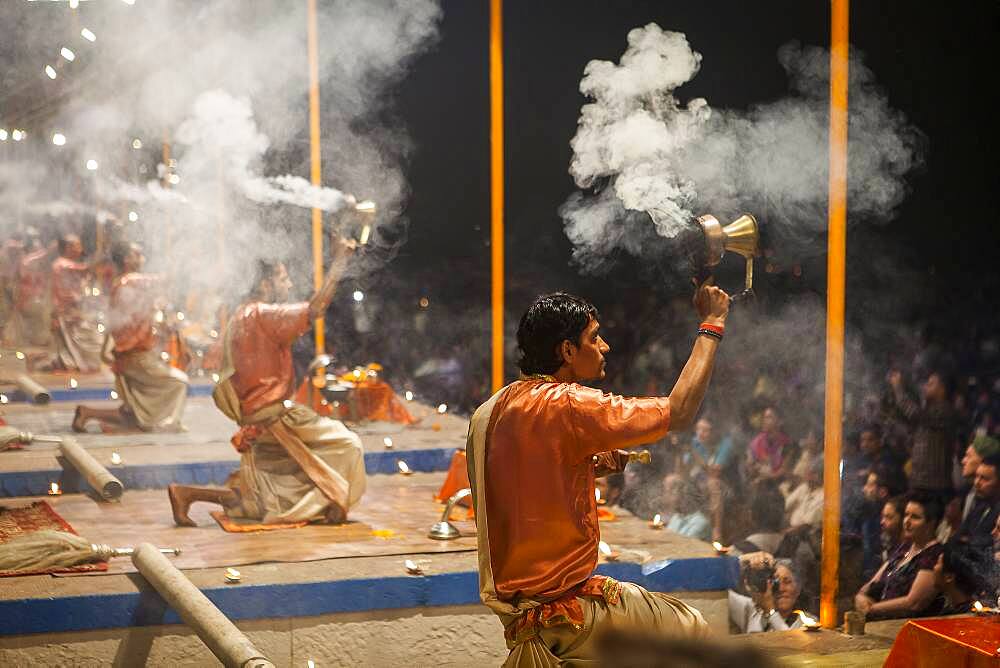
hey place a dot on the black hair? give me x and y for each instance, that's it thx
(873, 427)
(931, 503)
(263, 270)
(64, 242)
(767, 510)
(120, 251)
(992, 460)
(965, 564)
(549, 321)
(897, 502)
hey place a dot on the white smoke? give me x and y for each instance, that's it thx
(226, 90)
(646, 149)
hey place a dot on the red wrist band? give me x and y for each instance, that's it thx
(713, 328)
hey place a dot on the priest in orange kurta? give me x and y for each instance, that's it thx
(152, 392)
(296, 466)
(78, 343)
(534, 451)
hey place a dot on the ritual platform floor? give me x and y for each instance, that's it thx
(203, 454)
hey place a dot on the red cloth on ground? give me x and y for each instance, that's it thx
(969, 642)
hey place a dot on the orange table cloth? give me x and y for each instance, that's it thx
(960, 642)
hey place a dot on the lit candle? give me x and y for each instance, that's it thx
(606, 551)
(403, 468)
(808, 623)
(442, 409)
(116, 458)
(408, 395)
(657, 522)
(72, 383)
(412, 568)
(233, 576)
(54, 489)
(719, 549)
(387, 442)
(114, 395)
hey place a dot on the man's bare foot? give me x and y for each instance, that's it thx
(79, 421)
(335, 514)
(180, 503)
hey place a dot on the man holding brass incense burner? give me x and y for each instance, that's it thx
(534, 450)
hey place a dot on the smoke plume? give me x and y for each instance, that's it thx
(640, 147)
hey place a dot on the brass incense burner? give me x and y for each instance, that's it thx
(707, 241)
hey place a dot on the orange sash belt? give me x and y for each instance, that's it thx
(564, 610)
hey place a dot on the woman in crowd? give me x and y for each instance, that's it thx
(772, 606)
(904, 585)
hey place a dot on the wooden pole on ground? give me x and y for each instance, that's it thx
(315, 171)
(496, 187)
(836, 267)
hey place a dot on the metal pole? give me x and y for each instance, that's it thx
(215, 630)
(836, 266)
(496, 186)
(315, 171)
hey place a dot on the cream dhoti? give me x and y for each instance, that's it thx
(153, 393)
(78, 344)
(295, 464)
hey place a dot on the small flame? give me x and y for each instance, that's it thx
(54, 489)
(96, 292)
(806, 619)
(100, 328)
(116, 458)
(597, 494)
(19, 355)
(412, 567)
(403, 468)
(232, 575)
(310, 664)
(408, 395)
(158, 316)
(366, 232)
(977, 606)
(287, 403)
(657, 519)
(442, 409)
(215, 378)
(717, 545)
(73, 383)
(133, 216)
(165, 356)
(214, 334)
(180, 315)
(387, 442)
(604, 548)
(114, 395)
(366, 206)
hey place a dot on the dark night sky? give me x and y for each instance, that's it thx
(935, 63)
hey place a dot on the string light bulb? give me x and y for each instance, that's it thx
(67, 54)
(92, 165)
(88, 35)
(133, 216)
(59, 139)
(50, 72)
(137, 143)
(3, 134)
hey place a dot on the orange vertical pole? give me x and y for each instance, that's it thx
(496, 186)
(315, 171)
(836, 267)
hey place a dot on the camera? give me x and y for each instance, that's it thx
(759, 579)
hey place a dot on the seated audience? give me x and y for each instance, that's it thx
(804, 504)
(770, 454)
(957, 575)
(981, 447)
(767, 516)
(978, 525)
(681, 508)
(904, 585)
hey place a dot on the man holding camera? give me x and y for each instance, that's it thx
(773, 587)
